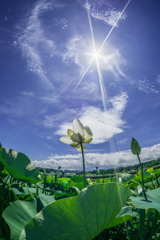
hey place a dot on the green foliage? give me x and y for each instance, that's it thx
(122, 177)
(153, 200)
(124, 215)
(50, 179)
(79, 185)
(19, 213)
(76, 178)
(150, 170)
(146, 176)
(19, 166)
(29, 210)
(81, 217)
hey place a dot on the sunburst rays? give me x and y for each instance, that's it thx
(96, 53)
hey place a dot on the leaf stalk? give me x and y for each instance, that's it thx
(142, 176)
(83, 160)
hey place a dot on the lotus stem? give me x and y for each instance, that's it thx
(9, 186)
(142, 176)
(83, 160)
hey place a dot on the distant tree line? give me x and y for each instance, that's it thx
(146, 165)
(135, 167)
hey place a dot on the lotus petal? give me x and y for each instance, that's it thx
(87, 132)
(69, 132)
(79, 147)
(75, 137)
(66, 140)
(88, 140)
(78, 127)
(75, 144)
(80, 138)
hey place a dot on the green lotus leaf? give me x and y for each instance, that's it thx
(77, 179)
(124, 215)
(146, 176)
(19, 213)
(80, 217)
(64, 179)
(46, 199)
(79, 185)
(50, 179)
(153, 200)
(19, 166)
(24, 191)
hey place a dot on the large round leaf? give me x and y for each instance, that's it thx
(19, 213)
(152, 197)
(123, 216)
(80, 217)
(19, 166)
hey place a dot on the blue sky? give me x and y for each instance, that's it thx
(98, 61)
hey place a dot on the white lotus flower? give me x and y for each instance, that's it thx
(78, 136)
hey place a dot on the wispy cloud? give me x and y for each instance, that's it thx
(78, 52)
(113, 62)
(41, 49)
(104, 161)
(103, 124)
(19, 107)
(62, 22)
(23, 106)
(122, 141)
(34, 43)
(108, 16)
(27, 93)
(146, 86)
(51, 121)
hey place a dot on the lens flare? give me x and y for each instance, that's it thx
(95, 56)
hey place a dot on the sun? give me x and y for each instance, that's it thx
(96, 55)
(93, 55)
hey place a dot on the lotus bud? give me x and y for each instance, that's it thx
(135, 147)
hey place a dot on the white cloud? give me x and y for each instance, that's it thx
(104, 124)
(110, 59)
(37, 46)
(103, 161)
(113, 62)
(34, 42)
(122, 141)
(62, 22)
(27, 93)
(50, 121)
(146, 86)
(108, 16)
